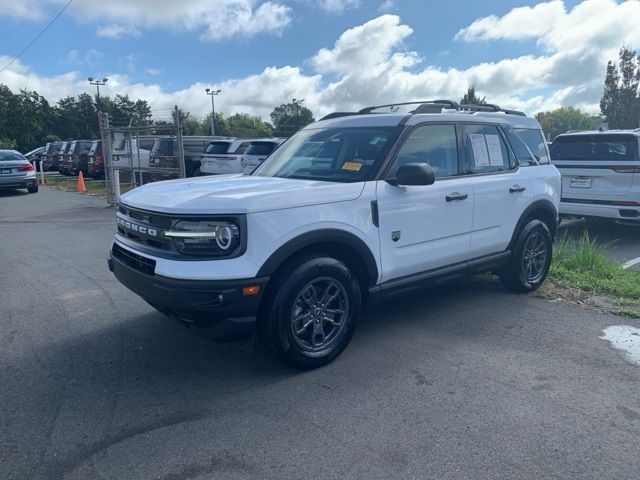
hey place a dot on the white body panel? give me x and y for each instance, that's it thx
(433, 232)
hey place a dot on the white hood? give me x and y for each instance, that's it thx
(229, 194)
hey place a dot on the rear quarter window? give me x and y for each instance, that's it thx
(535, 141)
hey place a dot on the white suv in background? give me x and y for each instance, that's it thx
(353, 209)
(221, 156)
(242, 156)
(600, 174)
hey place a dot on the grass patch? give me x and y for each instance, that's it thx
(582, 263)
(97, 187)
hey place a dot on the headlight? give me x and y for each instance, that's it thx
(206, 238)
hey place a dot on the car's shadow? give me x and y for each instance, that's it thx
(152, 372)
(603, 232)
(12, 192)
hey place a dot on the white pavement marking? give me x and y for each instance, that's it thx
(625, 339)
(631, 263)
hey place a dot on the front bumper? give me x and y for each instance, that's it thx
(205, 302)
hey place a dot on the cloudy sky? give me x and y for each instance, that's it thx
(334, 54)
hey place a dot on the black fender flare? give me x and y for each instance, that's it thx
(546, 206)
(318, 237)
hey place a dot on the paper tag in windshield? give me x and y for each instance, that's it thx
(353, 166)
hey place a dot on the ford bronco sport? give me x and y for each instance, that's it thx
(351, 210)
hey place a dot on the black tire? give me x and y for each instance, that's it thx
(293, 295)
(33, 188)
(527, 274)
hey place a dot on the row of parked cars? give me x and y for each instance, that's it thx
(203, 155)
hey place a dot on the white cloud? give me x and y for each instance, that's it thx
(22, 9)
(117, 30)
(337, 6)
(215, 19)
(351, 74)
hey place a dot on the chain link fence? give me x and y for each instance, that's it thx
(135, 156)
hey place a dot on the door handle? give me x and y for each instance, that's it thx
(517, 188)
(456, 196)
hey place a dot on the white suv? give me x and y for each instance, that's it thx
(222, 156)
(353, 209)
(600, 174)
(242, 156)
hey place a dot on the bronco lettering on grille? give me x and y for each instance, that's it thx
(135, 227)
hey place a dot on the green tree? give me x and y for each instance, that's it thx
(8, 143)
(243, 125)
(620, 102)
(290, 117)
(471, 98)
(563, 119)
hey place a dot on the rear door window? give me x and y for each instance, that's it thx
(485, 151)
(599, 147)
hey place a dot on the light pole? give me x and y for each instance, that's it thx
(213, 93)
(97, 83)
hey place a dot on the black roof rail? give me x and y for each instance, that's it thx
(490, 107)
(447, 103)
(338, 115)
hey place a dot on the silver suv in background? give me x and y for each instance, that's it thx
(600, 174)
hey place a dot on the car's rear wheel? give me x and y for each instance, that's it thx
(32, 188)
(309, 313)
(530, 258)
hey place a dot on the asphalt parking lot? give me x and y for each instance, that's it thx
(466, 381)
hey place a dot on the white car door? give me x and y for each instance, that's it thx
(502, 190)
(425, 227)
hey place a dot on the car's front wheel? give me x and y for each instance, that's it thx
(530, 258)
(310, 312)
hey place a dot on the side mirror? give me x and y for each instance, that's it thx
(414, 174)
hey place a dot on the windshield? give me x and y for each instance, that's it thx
(6, 156)
(595, 147)
(331, 154)
(218, 147)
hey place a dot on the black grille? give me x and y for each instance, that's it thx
(133, 260)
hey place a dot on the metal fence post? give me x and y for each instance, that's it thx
(179, 144)
(107, 155)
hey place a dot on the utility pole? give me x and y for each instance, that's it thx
(97, 83)
(213, 93)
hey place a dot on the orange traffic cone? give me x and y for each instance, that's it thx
(80, 185)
